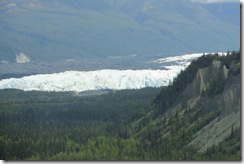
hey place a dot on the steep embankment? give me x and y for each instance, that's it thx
(228, 102)
(213, 89)
(200, 110)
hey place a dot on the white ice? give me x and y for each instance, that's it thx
(79, 81)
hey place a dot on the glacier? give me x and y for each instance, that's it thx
(91, 80)
(79, 81)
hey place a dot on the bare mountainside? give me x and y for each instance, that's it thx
(58, 30)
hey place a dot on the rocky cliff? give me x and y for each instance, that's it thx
(207, 110)
(228, 101)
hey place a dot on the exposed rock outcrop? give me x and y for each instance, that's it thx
(200, 84)
(22, 58)
(228, 101)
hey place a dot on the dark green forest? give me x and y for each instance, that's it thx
(121, 125)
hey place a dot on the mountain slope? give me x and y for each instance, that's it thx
(183, 21)
(227, 12)
(66, 30)
(59, 30)
(200, 115)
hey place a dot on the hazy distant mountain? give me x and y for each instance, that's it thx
(227, 12)
(183, 21)
(75, 29)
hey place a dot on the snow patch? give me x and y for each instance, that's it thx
(22, 58)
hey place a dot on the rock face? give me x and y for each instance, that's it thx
(22, 58)
(218, 129)
(228, 101)
(200, 110)
(204, 78)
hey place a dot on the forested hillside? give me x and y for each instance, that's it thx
(197, 117)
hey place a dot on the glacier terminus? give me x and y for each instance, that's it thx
(79, 81)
